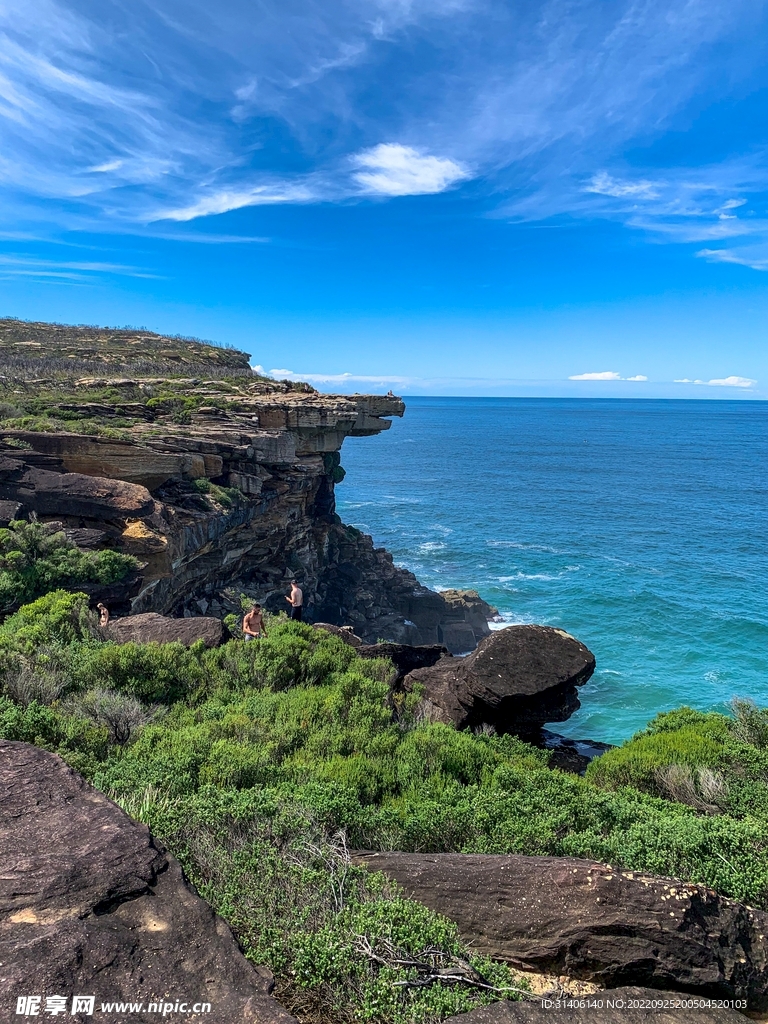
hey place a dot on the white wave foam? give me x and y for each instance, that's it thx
(546, 577)
(509, 619)
(432, 545)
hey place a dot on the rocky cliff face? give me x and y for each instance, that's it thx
(219, 486)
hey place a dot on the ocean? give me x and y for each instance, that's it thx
(641, 527)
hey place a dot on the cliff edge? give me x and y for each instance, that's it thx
(218, 480)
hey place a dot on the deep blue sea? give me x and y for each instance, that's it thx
(639, 526)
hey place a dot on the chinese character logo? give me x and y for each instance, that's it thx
(83, 1004)
(55, 1005)
(28, 1006)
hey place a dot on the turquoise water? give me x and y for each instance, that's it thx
(639, 526)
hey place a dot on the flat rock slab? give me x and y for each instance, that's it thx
(91, 904)
(560, 915)
(517, 679)
(629, 1005)
(149, 627)
(73, 494)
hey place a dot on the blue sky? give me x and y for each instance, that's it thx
(438, 196)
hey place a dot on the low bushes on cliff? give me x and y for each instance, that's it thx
(296, 903)
(35, 561)
(296, 728)
(715, 763)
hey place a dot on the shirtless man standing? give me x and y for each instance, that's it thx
(296, 600)
(254, 625)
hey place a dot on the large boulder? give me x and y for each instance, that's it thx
(149, 627)
(404, 657)
(517, 679)
(9, 510)
(628, 1005)
(91, 904)
(560, 915)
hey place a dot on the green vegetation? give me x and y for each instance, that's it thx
(259, 764)
(36, 350)
(333, 467)
(227, 497)
(34, 560)
(119, 382)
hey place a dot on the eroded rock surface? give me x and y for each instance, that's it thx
(626, 1005)
(241, 498)
(517, 679)
(150, 627)
(561, 915)
(91, 904)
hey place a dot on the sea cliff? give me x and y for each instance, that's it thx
(219, 481)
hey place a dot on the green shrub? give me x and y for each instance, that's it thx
(682, 737)
(58, 618)
(750, 723)
(35, 561)
(121, 714)
(322, 925)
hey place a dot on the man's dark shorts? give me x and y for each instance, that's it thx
(296, 613)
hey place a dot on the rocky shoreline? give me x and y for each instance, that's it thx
(224, 487)
(240, 499)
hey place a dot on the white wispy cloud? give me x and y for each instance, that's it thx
(754, 258)
(605, 185)
(390, 169)
(335, 378)
(226, 200)
(722, 382)
(28, 266)
(188, 109)
(605, 375)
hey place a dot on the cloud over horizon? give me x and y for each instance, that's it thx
(721, 382)
(606, 375)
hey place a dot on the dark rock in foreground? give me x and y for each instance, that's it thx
(560, 915)
(517, 679)
(149, 627)
(91, 904)
(628, 1006)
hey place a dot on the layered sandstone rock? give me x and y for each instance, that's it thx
(91, 904)
(517, 679)
(238, 499)
(405, 657)
(560, 915)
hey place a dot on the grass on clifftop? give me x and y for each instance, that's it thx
(259, 764)
(32, 349)
(115, 382)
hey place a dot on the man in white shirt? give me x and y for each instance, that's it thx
(296, 600)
